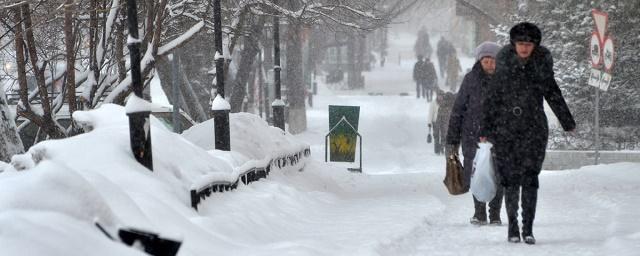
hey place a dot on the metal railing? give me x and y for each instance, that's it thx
(253, 174)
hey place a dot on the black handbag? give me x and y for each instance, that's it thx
(453, 180)
(429, 138)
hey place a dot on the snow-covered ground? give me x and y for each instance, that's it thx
(397, 206)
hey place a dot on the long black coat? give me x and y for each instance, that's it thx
(464, 124)
(513, 115)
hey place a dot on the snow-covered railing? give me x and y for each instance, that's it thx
(249, 172)
(575, 159)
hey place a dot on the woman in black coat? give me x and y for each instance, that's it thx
(515, 122)
(464, 125)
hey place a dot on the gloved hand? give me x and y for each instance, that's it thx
(451, 149)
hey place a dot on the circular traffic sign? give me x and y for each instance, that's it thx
(608, 54)
(595, 50)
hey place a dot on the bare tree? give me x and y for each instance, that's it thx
(71, 58)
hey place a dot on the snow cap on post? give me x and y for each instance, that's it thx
(218, 56)
(219, 103)
(136, 104)
(525, 32)
(487, 49)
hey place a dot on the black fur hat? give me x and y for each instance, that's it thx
(525, 32)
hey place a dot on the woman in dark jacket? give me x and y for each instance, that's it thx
(515, 122)
(464, 125)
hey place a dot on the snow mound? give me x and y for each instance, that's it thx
(63, 187)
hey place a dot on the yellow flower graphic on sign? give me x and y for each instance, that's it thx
(343, 145)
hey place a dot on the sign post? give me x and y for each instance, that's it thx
(602, 55)
(343, 135)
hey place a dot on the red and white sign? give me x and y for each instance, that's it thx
(601, 51)
(608, 54)
(601, 19)
(595, 50)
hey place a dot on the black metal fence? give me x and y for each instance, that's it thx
(253, 174)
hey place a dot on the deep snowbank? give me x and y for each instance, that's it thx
(49, 207)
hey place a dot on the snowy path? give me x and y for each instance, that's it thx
(399, 205)
(579, 219)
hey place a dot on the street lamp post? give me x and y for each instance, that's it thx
(278, 104)
(220, 106)
(139, 126)
(175, 91)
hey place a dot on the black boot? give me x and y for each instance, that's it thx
(480, 215)
(494, 207)
(529, 201)
(512, 196)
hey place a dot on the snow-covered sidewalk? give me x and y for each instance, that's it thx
(397, 206)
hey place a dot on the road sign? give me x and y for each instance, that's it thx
(599, 79)
(601, 19)
(601, 51)
(605, 80)
(596, 51)
(608, 54)
(594, 78)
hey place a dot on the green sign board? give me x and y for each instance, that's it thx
(343, 131)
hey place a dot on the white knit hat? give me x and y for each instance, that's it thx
(487, 49)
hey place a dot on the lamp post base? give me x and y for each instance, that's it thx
(140, 137)
(222, 134)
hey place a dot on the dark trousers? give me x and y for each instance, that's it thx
(424, 90)
(494, 206)
(481, 207)
(427, 92)
(529, 200)
(439, 139)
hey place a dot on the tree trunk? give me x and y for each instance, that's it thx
(251, 86)
(352, 82)
(48, 125)
(21, 64)
(267, 68)
(191, 103)
(10, 143)
(119, 50)
(69, 41)
(362, 57)
(93, 59)
(38, 67)
(296, 90)
(248, 57)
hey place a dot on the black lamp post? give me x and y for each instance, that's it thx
(139, 126)
(278, 104)
(220, 106)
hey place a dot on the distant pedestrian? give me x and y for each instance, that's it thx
(464, 125)
(424, 74)
(418, 76)
(515, 122)
(429, 79)
(453, 71)
(432, 118)
(443, 49)
(445, 101)
(423, 43)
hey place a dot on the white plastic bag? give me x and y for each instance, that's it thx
(483, 178)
